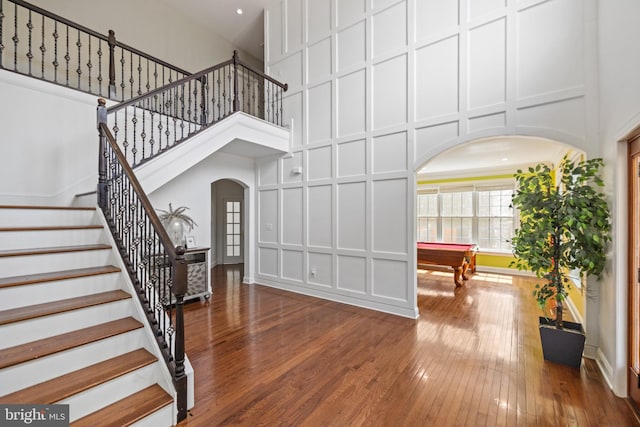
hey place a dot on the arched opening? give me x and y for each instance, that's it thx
(463, 197)
(229, 219)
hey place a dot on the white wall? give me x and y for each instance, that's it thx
(193, 189)
(377, 88)
(151, 26)
(619, 62)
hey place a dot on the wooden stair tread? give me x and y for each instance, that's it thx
(44, 207)
(54, 228)
(53, 250)
(57, 275)
(130, 409)
(61, 306)
(47, 346)
(64, 386)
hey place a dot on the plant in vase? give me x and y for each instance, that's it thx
(175, 222)
(564, 226)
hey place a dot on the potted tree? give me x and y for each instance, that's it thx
(564, 227)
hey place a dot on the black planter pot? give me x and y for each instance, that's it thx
(562, 346)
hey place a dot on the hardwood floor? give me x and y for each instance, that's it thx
(473, 358)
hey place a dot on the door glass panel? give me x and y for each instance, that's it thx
(233, 229)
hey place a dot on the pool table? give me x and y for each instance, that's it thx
(461, 257)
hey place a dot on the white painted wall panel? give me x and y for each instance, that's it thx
(292, 265)
(389, 278)
(352, 216)
(433, 17)
(565, 116)
(320, 222)
(389, 218)
(319, 163)
(268, 216)
(478, 8)
(352, 273)
(390, 153)
(351, 158)
(274, 23)
(349, 11)
(351, 103)
(294, 24)
(429, 137)
(390, 92)
(268, 172)
(318, 18)
(351, 46)
(390, 29)
(487, 50)
(290, 165)
(489, 121)
(320, 269)
(320, 115)
(552, 59)
(292, 106)
(319, 58)
(292, 216)
(436, 87)
(288, 70)
(268, 261)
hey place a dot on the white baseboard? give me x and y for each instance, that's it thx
(605, 368)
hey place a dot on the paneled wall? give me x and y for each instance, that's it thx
(377, 88)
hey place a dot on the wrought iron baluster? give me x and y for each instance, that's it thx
(15, 37)
(55, 52)
(43, 49)
(29, 53)
(155, 75)
(99, 53)
(89, 64)
(139, 75)
(143, 134)
(125, 143)
(122, 62)
(131, 80)
(148, 86)
(134, 120)
(152, 110)
(67, 58)
(1, 32)
(79, 70)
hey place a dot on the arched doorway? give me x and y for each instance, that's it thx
(228, 219)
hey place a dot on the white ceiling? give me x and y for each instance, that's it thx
(244, 31)
(492, 156)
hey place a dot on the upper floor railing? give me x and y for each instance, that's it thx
(152, 123)
(41, 44)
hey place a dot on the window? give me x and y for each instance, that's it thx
(233, 229)
(480, 214)
(495, 219)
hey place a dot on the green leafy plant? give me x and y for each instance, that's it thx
(564, 225)
(167, 216)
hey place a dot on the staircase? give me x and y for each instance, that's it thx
(71, 331)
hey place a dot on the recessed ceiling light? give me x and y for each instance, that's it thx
(239, 11)
(504, 159)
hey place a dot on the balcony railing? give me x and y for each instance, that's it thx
(41, 44)
(153, 123)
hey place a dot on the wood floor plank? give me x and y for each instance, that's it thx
(127, 411)
(54, 307)
(46, 207)
(44, 347)
(53, 228)
(57, 276)
(268, 357)
(62, 387)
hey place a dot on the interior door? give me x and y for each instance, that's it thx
(634, 272)
(233, 232)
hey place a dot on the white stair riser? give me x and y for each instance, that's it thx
(45, 263)
(163, 417)
(49, 238)
(61, 323)
(46, 217)
(110, 392)
(45, 368)
(39, 293)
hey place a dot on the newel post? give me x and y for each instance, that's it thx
(111, 40)
(236, 101)
(101, 117)
(179, 290)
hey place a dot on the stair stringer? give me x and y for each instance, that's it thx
(239, 134)
(163, 377)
